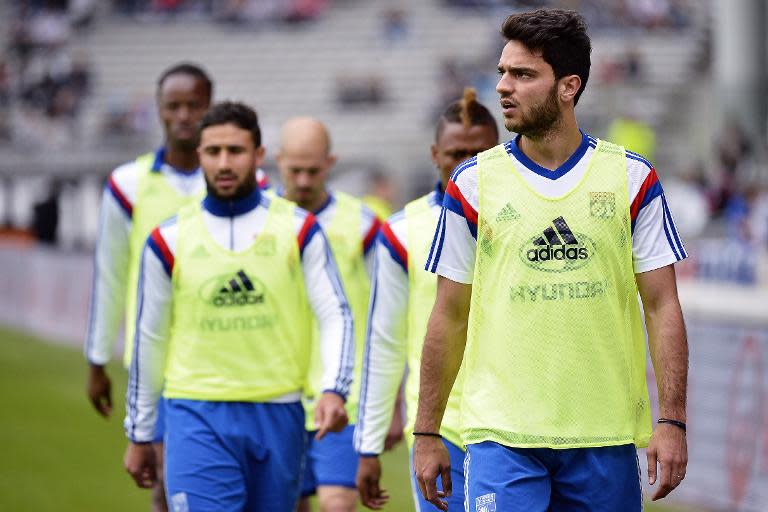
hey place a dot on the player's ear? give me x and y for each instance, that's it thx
(433, 149)
(260, 152)
(567, 87)
(331, 160)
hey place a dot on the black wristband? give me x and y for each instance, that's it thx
(428, 434)
(678, 424)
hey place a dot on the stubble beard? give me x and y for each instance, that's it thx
(243, 189)
(540, 120)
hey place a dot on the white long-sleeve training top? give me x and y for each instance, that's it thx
(111, 265)
(386, 350)
(234, 226)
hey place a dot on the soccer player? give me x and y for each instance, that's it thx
(224, 328)
(403, 296)
(305, 161)
(138, 196)
(541, 248)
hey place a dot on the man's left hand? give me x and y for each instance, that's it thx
(330, 415)
(430, 460)
(669, 448)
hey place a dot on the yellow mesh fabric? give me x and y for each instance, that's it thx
(156, 201)
(422, 289)
(241, 320)
(555, 353)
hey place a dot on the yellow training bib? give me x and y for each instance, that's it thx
(241, 326)
(555, 353)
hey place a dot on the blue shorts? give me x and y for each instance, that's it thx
(160, 425)
(604, 479)
(456, 499)
(330, 461)
(233, 455)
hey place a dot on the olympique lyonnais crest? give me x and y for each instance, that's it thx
(266, 245)
(486, 503)
(602, 204)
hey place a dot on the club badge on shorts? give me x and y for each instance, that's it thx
(486, 503)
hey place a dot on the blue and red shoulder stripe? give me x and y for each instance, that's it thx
(396, 250)
(649, 190)
(123, 201)
(157, 244)
(370, 237)
(455, 202)
(307, 231)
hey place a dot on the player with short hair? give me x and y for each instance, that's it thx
(305, 161)
(138, 196)
(227, 290)
(541, 248)
(403, 295)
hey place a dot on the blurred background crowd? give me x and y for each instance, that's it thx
(76, 96)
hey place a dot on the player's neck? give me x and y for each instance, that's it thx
(318, 203)
(552, 149)
(182, 160)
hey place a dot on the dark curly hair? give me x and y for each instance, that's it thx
(238, 114)
(561, 37)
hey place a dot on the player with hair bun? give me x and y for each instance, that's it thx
(403, 294)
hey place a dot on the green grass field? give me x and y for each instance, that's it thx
(61, 456)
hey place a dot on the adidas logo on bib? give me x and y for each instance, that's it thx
(232, 290)
(557, 248)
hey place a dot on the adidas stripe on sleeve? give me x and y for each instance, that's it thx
(112, 254)
(386, 343)
(153, 319)
(110, 264)
(453, 247)
(655, 239)
(329, 304)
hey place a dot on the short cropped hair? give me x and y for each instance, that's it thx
(561, 37)
(189, 69)
(467, 111)
(238, 114)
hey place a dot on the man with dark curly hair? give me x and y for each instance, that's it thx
(542, 246)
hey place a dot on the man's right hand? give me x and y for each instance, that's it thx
(367, 480)
(100, 390)
(141, 464)
(430, 460)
